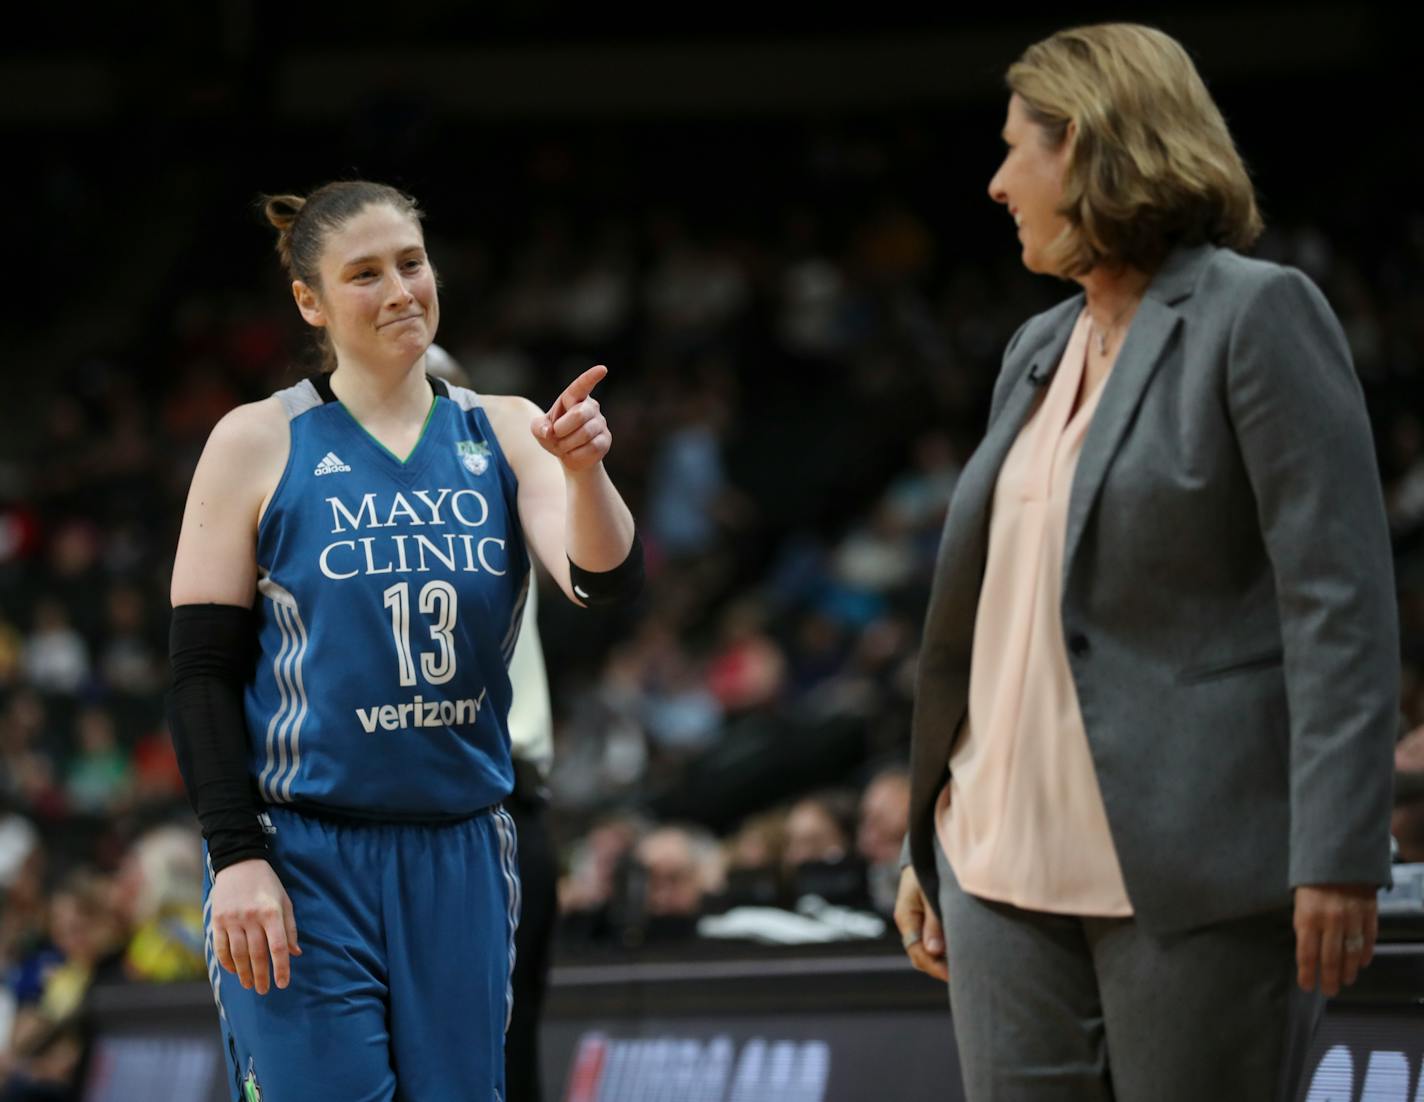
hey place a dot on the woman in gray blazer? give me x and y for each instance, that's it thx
(1157, 692)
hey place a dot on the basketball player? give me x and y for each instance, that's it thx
(366, 533)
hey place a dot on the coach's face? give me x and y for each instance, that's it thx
(1030, 184)
(377, 297)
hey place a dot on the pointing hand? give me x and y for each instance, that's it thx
(574, 430)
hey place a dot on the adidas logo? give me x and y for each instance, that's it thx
(331, 464)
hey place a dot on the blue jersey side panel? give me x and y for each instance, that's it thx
(390, 598)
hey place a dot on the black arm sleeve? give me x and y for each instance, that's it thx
(610, 587)
(212, 649)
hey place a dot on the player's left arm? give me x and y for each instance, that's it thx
(570, 510)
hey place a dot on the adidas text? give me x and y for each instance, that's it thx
(331, 464)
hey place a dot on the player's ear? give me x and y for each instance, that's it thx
(308, 303)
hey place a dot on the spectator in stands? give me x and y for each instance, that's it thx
(22, 923)
(759, 843)
(48, 1039)
(680, 712)
(100, 778)
(589, 893)
(817, 652)
(884, 818)
(694, 289)
(819, 857)
(877, 556)
(29, 775)
(1407, 822)
(817, 830)
(56, 656)
(129, 662)
(156, 894)
(747, 670)
(920, 495)
(689, 491)
(683, 866)
(602, 747)
(754, 861)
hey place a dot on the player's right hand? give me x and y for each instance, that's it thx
(915, 917)
(252, 923)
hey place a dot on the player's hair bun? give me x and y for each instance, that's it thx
(282, 211)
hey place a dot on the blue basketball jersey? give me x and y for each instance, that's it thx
(390, 596)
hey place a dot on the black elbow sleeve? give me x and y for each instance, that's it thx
(211, 651)
(610, 587)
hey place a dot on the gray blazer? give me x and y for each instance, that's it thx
(1228, 596)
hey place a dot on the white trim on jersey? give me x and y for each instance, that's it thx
(284, 729)
(509, 865)
(296, 400)
(516, 620)
(292, 732)
(264, 780)
(209, 953)
(464, 397)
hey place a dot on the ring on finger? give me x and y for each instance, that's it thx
(1354, 943)
(911, 938)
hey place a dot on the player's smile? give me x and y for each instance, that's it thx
(376, 284)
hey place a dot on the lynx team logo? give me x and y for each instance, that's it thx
(474, 455)
(251, 1091)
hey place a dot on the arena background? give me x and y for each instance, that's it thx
(772, 225)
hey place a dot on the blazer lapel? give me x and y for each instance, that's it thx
(1141, 352)
(1147, 339)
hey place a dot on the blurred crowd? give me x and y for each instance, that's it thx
(792, 389)
(631, 881)
(63, 931)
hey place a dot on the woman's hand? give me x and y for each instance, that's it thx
(1335, 930)
(574, 430)
(252, 922)
(919, 927)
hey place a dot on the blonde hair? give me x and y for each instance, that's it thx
(1152, 166)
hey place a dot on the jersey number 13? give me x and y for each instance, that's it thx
(436, 598)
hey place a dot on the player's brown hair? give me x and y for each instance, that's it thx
(304, 223)
(1153, 164)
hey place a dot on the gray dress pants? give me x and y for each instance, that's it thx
(1060, 1008)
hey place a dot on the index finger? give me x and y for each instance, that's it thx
(578, 390)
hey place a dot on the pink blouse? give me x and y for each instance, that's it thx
(1022, 819)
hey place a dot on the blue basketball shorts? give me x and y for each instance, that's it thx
(402, 992)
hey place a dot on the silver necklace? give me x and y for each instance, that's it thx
(1102, 334)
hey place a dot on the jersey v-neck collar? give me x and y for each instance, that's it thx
(321, 382)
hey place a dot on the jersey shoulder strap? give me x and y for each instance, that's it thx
(297, 400)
